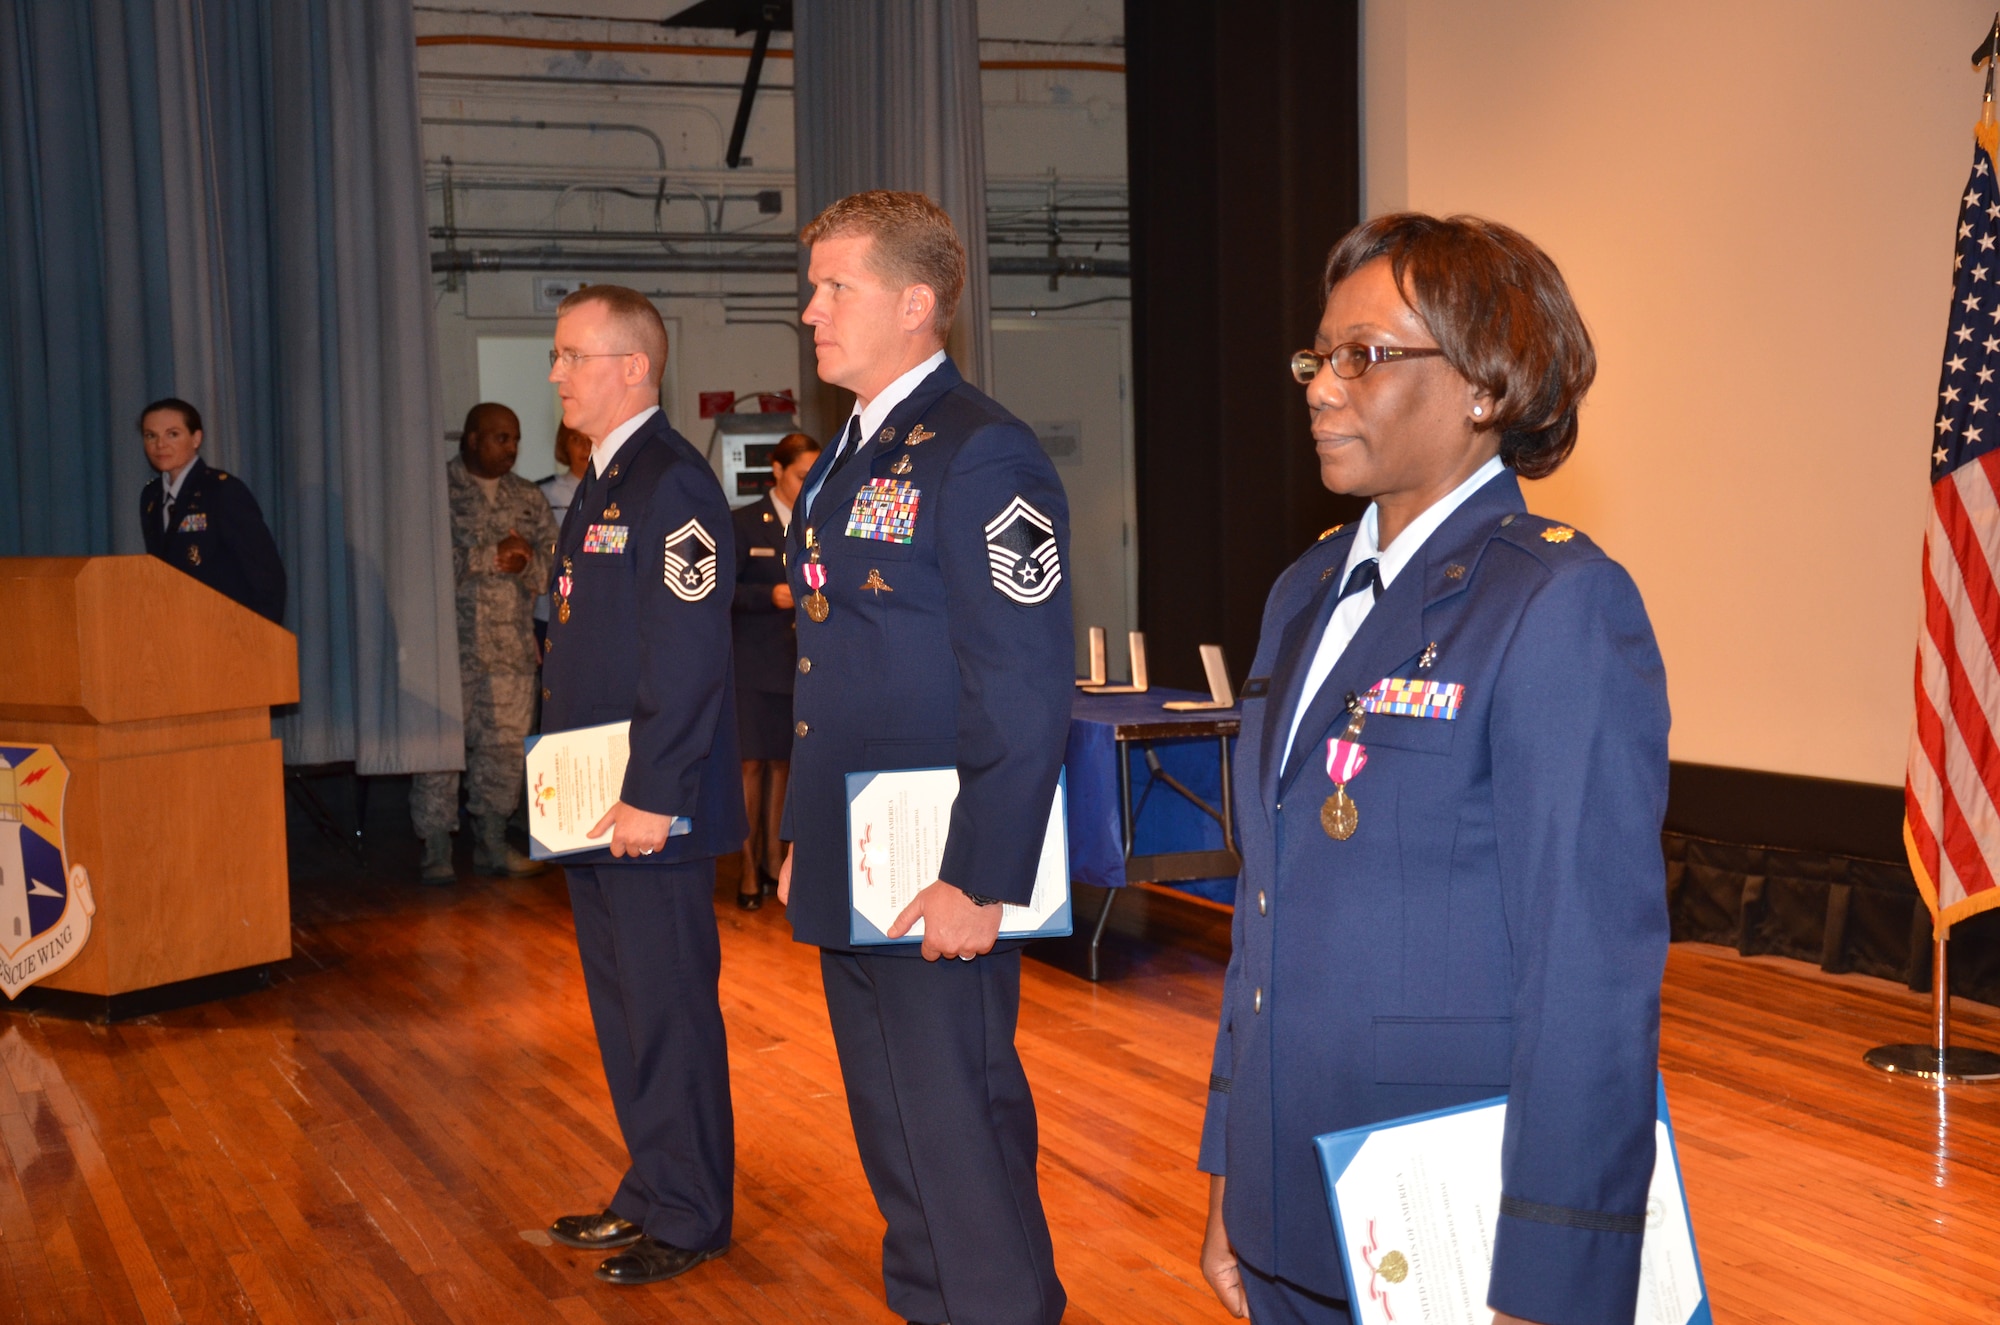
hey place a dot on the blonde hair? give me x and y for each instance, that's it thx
(915, 244)
(633, 313)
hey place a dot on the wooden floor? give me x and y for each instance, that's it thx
(382, 1135)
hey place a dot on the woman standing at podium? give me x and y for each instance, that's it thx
(203, 521)
(1453, 770)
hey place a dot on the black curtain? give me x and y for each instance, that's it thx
(1244, 137)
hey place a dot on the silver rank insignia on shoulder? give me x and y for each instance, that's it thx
(1021, 552)
(918, 436)
(901, 467)
(689, 557)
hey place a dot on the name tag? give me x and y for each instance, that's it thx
(194, 524)
(606, 537)
(1414, 699)
(884, 510)
(763, 552)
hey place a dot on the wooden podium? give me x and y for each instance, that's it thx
(156, 691)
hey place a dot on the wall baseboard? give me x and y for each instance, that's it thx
(1813, 869)
(1786, 810)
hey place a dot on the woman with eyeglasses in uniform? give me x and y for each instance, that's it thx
(1453, 771)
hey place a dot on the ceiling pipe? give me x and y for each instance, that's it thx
(464, 260)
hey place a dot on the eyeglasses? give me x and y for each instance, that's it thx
(1353, 359)
(570, 358)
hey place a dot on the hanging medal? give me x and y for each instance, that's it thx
(564, 583)
(1345, 758)
(816, 604)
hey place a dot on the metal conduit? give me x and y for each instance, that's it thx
(463, 260)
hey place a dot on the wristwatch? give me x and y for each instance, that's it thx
(978, 900)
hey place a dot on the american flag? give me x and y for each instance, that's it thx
(1951, 795)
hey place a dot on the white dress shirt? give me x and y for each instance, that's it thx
(170, 490)
(602, 454)
(559, 490)
(878, 409)
(1346, 621)
(784, 514)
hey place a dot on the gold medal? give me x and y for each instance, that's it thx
(562, 611)
(1338, 816)
(816, 605)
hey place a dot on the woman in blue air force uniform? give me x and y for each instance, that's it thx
(1480, 908)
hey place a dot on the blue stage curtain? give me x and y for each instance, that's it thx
(887, 96)
(223, 200)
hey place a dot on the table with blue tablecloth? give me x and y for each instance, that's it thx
(1150, 799)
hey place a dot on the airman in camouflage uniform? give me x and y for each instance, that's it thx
(502, 542)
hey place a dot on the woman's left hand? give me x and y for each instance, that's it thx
(1218, 1258)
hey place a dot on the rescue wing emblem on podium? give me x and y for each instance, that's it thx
(690, 562)
(45, 902)
(1021, 547)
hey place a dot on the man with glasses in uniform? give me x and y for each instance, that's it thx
(639, 632)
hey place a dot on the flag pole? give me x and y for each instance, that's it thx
(1937, 1061)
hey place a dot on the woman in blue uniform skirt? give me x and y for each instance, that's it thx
(767, 655)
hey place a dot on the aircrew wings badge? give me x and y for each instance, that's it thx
(1021, 548)
(45, 901)
(690, 562)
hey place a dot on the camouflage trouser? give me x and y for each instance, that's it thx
(498, 709)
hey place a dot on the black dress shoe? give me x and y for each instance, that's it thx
(767, 883)
(750, 901)
(599, 1232)
(650, 1260)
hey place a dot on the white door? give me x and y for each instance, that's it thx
(1066, 379)
(514, 371)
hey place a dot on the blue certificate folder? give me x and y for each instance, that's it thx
(863, 932)
(1388, 1273)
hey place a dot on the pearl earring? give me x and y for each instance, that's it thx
(1478, 411)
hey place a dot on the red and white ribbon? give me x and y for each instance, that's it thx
(815, 576)
(1344, 759)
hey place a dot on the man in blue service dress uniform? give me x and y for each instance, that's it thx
(203, 521)
(639, 630)
(929, 562)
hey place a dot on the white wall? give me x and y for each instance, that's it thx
(1754, 206)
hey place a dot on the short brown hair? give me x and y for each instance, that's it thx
(1502, 314)
(635, 316)
(790, 447)
(915, 244)
(190, 416)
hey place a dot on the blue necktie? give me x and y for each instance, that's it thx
(1367, 575)
(849, 444)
